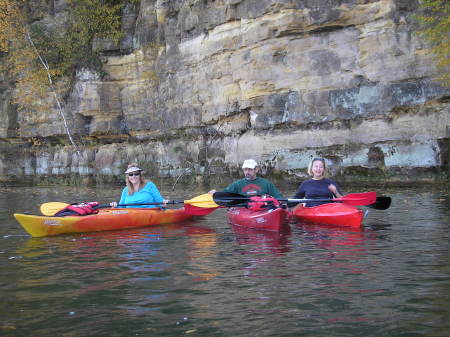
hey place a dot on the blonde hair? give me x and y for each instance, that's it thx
(311, 163)
(130, 186)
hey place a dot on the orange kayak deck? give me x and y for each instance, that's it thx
(105, 220)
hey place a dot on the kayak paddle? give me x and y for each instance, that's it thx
(381, 203)
(200, 205)
(228, 199)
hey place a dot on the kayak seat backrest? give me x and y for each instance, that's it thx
(259, 203)
(79, 209)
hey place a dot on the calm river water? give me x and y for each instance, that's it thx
(206, 278)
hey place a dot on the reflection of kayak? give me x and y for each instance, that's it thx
(263, 241)
(268, 219)
(332, 236)
(106, 219)
(330, 214)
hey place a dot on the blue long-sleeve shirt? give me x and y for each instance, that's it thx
(149, 193)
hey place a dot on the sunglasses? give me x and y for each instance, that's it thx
(134, 174)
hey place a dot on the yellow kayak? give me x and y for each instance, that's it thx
(106, 219)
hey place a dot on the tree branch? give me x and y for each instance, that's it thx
(55, 95)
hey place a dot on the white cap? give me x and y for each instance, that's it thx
(133, 169)
(249, 163)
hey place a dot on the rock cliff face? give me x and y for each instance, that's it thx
(197, 86)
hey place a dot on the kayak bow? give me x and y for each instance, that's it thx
(268, 219)
(330, 214)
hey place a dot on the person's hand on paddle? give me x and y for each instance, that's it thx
(212, 192)
(332, 188)
(113, 204)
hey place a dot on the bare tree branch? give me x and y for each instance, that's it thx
(55, 95)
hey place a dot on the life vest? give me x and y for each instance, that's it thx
(79, 209)
(259, 203)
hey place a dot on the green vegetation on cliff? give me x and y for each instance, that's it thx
(435, 28)
(43, 55)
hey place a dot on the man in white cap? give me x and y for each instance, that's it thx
(252, 185)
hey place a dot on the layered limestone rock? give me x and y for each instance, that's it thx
(196, 87)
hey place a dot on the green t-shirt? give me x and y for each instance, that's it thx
(258, 186)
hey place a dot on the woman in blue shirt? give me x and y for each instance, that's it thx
(139, 190)
(318, 187)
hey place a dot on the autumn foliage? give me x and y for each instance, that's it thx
(38, 53)
(9, 24)
(434, 20)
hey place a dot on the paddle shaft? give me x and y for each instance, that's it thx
(355, 199)
(170, 202)
(200, 205)
(381, 203)
(248, 199)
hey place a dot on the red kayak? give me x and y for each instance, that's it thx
(330, 214)
(268, 219)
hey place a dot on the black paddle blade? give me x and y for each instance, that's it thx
(381, 203)
(229, 199)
